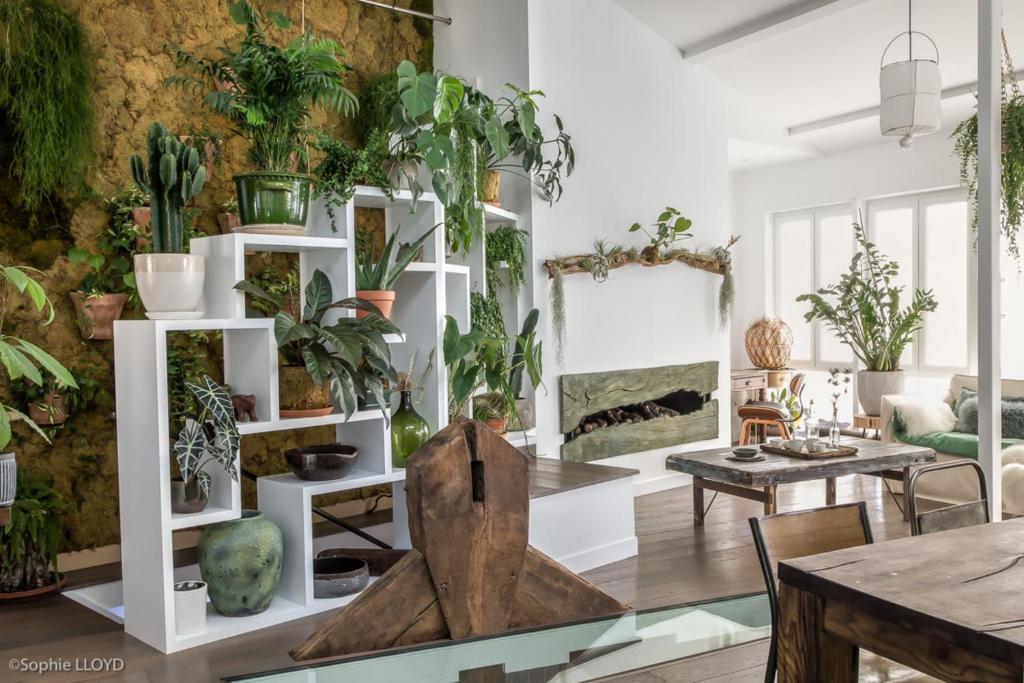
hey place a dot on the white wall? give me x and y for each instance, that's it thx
(649, 131)
(875, 171)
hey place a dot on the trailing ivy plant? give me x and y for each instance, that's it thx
(269, 91)
(210, 436)
(506, 245)
(30, 543)
(342, 168)
(45, 90)
(865, 310)
(965, 148)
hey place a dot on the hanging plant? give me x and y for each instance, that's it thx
(506, 250)
(965, 148)
(45, 91)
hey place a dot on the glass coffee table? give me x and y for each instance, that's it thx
(574, 652)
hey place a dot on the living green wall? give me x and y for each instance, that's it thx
(129, 64)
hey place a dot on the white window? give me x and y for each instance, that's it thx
(812, 249)
(929, 235)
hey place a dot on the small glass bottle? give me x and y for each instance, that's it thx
(409, 431)
(833, 433)
(811, 425)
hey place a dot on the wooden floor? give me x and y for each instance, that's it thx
(676, 564)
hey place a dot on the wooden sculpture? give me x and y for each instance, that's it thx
(471, 571)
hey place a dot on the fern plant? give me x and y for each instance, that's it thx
(30, 543)
(45, 91)
(269, 91)
(865, 309)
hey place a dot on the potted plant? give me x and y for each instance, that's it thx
(23, 360)
(268, 93)
(506, 251)
(864, 312)
(228, 219)
(170, 281)
(29, 544)
(375, 283)
(491, 409)
(209, 436)
(46, 405)
(102, 294)
(189, 607)
(330, 362)
(671, 227)
(342, 168)
(476, 360)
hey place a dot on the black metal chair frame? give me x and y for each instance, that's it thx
(769, 575)
(911, 498)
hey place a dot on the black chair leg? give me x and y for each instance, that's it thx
(769, 671)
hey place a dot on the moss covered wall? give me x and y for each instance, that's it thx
(130, 63)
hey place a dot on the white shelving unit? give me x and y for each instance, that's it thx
(425, 293)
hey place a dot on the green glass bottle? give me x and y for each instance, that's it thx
(409, 431)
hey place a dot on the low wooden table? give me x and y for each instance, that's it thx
(760, 480)
(944, 604)
(866, 422)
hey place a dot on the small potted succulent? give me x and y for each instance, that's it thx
(375, 282)
(170, 281)
(305, 74)
(209, 437)
(331, 362)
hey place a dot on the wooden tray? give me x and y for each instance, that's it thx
(840, 452)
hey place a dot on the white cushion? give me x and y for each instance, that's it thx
(925, 416)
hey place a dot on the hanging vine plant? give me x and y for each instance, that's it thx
(45, 92)
(965, 148)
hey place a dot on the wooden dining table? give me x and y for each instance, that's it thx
(949, 604)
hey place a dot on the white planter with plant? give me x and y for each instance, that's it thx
(863, 310)
(170, 281)
(375, 283)
(189, 607)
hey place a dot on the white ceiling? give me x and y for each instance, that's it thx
(822, 68)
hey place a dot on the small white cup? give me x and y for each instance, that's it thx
(189, 607)
(795, 445)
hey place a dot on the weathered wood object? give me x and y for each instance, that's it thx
(580, 263)
(471, 571)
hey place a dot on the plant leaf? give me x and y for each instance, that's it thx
(189, 448)
(50, 364)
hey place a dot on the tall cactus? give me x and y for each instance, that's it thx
(174, 178)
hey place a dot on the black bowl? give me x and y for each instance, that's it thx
(322, 463)
(334, 577)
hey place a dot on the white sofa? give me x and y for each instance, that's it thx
(960, 485)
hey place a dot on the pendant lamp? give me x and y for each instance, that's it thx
(911, 90)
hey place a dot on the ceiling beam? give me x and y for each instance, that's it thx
(765, 27)
(873, 112)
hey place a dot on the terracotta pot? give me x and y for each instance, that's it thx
(95, 315)
(300, 395)
(35, 593)
(497, 425)
(381, 298)
(229, 222)
(490, 186)
(50, 410)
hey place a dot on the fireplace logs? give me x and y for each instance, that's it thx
(626, 415)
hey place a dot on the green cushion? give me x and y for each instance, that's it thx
(966, 410)
(951, 443)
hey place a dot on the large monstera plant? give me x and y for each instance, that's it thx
(209, 437)
(349, 355)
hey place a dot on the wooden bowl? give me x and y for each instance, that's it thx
(322, 463)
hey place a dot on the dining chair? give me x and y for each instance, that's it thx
(771, 414)
(952, 516)
(810, 532)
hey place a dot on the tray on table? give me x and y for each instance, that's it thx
(841, 452)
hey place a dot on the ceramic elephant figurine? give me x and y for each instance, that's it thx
(245, 407)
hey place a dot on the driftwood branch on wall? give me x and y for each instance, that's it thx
(581, 263)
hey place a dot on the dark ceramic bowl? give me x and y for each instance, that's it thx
(334, 577)
(745, 452)
(321, 463)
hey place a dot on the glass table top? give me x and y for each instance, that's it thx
(568, 653)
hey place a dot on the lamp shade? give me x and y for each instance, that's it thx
(911, 94)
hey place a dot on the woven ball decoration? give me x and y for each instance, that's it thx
(769, 343)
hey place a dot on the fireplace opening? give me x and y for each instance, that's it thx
(674, 404)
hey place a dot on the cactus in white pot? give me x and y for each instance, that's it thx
(170, 281)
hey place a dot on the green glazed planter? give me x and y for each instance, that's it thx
(240, 561)
(409, 431)
(271, 198)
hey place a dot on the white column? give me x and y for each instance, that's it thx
(989, 146)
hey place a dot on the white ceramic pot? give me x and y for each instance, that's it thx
(8, 479)
(872, 386)
(170, 283)
(189, 607)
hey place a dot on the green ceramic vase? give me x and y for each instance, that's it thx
(409, 431)
(240, 561)
(266, 198)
